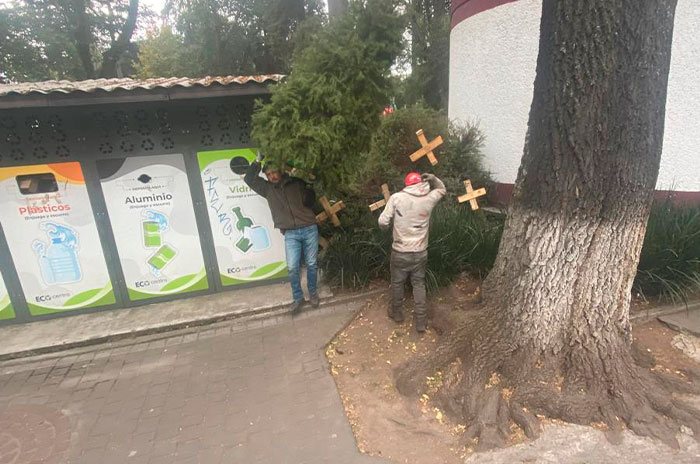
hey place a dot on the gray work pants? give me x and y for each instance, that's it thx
(404, 265)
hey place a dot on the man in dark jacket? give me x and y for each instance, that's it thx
(291, 201)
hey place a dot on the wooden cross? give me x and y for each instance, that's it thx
(471, 195)
(427, 148)
(381, 203)
(329, 211)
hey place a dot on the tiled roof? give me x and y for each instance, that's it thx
(109, 85)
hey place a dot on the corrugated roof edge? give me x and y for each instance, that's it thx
(110, 85)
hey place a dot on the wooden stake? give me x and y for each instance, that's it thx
(323, 242)
(427, 149)
(471, 195)
(329, 211)
(381, 203)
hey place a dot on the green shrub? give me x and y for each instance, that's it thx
(357, 256)
(388, 159)
(465, 241)
(460, 241)
(669, 266)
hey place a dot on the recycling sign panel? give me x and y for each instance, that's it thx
(150, 208)
(6, 310)
(248, 247)
(50, 228)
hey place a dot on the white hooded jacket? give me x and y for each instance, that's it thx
(410, 209)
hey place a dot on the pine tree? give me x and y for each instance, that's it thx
(322, 117)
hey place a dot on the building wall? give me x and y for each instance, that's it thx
(493, 55)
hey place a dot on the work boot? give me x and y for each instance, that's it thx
(396, 314)
(295, 307)
(420, 324)
(314, 300)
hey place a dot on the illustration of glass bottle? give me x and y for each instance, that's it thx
(58, 262)
(254, 237)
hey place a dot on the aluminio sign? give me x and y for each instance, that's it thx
(150, 208)
(6, 310)
(51, 232)
(248, 247)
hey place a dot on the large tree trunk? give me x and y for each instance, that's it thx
(581, 201)
(83, 36)
(111, 57)
(555, 333)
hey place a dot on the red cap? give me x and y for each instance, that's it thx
(412, 178)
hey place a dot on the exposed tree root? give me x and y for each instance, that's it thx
(491, 423)
(487, 385)
(525, 420)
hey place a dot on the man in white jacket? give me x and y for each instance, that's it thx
(410, 210)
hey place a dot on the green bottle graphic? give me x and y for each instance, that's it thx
(162, 257)
(242, 222)
(244, 244)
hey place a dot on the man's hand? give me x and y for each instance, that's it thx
(432, 181)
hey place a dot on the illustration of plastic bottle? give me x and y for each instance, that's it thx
(58, 262)
(259, 237)
(39, 248)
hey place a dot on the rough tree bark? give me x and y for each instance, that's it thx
(554, 334)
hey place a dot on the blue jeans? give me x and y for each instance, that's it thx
(297, 242)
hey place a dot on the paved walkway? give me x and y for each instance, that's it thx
(257, 392)
(100, 326)
(685, 321)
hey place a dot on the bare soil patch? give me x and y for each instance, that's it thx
(406, 430)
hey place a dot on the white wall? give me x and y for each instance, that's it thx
(680, 162)
(493, 56)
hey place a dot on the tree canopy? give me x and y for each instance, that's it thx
(78, 39)
(221, 37)
(428, 53)
(81, 39)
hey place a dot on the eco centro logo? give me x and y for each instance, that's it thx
(30, 210)
(45, 298)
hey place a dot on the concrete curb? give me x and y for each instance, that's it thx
(268, 312)
(654, 313)
(264, 312)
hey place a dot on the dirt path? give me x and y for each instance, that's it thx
(404, 430)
